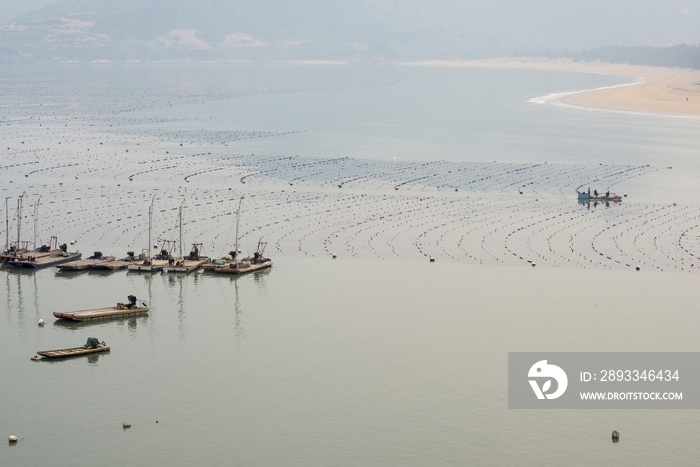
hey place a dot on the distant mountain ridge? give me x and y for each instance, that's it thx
(359, 30)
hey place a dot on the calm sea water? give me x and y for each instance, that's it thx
(353, 362)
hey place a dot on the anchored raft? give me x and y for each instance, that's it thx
(93, 345)
(120, 311)
(91, 263)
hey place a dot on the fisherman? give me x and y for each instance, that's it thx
(132, 301)
(195, 252)
(595, 192)
(607, 194)
(171, 260)
(589, 192)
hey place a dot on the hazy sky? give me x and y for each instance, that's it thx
(11, 8)
(329, 29)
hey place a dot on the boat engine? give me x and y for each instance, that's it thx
(96, 255)
(92, 343)
(233, 254)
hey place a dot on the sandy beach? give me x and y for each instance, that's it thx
(669, 90)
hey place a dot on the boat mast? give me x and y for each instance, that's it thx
(19, 218)
(238, 218)
(7, 225)
(180, 216)
(36, 219)
(150, 225)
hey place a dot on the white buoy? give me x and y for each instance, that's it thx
(533, 265)
(12, 439)
(615, 434)
(72, 242)
(637, 268)
(334, 256)
(126, 425)
(432, 260)
(41, 322)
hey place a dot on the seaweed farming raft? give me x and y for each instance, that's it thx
(93, 345)
(93, 262)
(188, 264)
(246, 265)
(115, 312)
(48, 260)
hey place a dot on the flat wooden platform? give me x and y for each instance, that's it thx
(155, 266)
(45, 261)
(83, 264)
(72, 352)
(101, 313)
(186, 266)
(242, 267)
(114, 265)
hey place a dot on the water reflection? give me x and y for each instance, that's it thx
(237, 312)
(92, 358)
(132, 323)
(178, 281)
(595, 203)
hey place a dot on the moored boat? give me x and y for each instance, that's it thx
(246, 265)
(40, 262)
(122, 310)
(83, 264)
(243, 267)
(93, 345)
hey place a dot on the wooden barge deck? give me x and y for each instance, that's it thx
(116, 265)
(71, 352)
(112, 312)
(40, 262)
(186, 266)
(154, 266)
(84, 264)
(242, 267)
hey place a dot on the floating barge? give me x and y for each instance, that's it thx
(148, 266)
(83, 264)
(243, 267)
(39, 262)
(112, 265)
(119, 264)
(186, 266)
(122, 310)
(112, 312)
(72, 352)
(213, 264)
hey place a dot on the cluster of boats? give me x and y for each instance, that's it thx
(129, 309)
(164, 261)
(24, 254)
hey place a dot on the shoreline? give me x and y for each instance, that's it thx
(658, 89)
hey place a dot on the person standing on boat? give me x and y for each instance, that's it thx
(595, 192)
(589, 192)
(607, 194)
